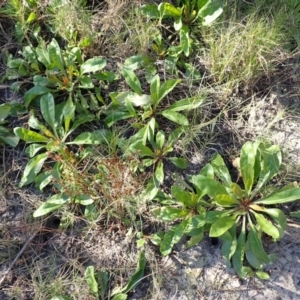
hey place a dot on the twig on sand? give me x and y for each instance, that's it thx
(17, 257)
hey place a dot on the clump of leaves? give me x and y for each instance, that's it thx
(242, 216)
(184, 14)
(142, 106)
(187, 204)
(52, 137)
(62, 72)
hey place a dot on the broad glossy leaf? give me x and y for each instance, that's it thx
(86, 83)
(130, 108)
(179, 162)
(105, 76)
(208, 186)
(238, 256)
(169, 10)
(267, 226)
(151, 189)
(151, 11)
(160, 139)
(187, 104)
(225, 200)
(185, 40)
(81, 119)
(207, 171)
(33, 149)
(30, 136)
(32, 168)
(256, 246)
(48, 110)
(247, 164)
(159, 172)
(251, 257)
(83, 200)
(92, 138)
(68, 113)
(175, 117)
(166, 88)
(270, 165)
(154, 89)
(116, 116)
(56, 56)
(221, 226)
(276, 214)
(236, 189)
(174, 136)
(281, 196)
(210, 11)
(188, 199)
(132, 80)
(52, 204)
(220, 169)
(89, 276)
(92, 65)
(172, 237)
(33, 93)
(141, 149)
(43, 56)
(169, 213)
(43, 179)
(139, 99)
(229, 243)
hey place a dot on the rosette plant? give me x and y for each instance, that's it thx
(247, 211)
